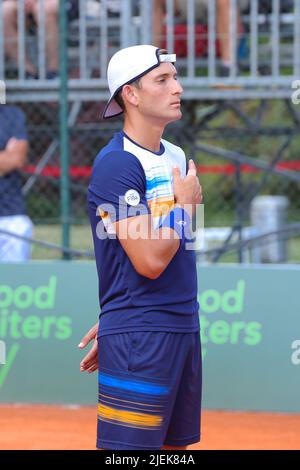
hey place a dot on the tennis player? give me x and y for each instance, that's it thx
(141, 200)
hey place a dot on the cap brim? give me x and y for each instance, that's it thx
(112, 109)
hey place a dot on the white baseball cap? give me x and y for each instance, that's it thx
(126, 66)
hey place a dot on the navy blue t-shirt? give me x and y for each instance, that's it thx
(12, 124)
(128, 180)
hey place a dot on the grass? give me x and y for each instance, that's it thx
(294, 250)
(81, 239)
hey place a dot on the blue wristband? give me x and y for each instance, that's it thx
(179, 220)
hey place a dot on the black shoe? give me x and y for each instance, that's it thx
(52, 74)
(223, 71)
(264, 70)
(30, 76)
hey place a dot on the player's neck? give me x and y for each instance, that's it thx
(147, 136)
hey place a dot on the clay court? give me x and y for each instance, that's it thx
(239, 122)
(74, 428)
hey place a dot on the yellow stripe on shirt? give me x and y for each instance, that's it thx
(161, 206)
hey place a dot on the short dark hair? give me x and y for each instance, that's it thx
(136, 83)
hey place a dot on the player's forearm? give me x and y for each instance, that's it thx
(160, 250)
(165, 241)
(150, 250)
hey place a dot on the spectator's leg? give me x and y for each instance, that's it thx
(10, 29)
(52, 33)
(223, 29)
(10, 20)
(158, 21)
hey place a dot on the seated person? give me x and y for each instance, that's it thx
(222, 24)
(10, 16)
(13, 154)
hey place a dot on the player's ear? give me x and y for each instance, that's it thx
(130, 95)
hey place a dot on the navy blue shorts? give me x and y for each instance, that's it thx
(149, 390)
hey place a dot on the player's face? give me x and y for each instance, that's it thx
(159, 94)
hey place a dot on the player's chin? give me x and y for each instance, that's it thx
(176, 115)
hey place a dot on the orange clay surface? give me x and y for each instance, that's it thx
(57, 427)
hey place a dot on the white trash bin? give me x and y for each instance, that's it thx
(268, 214)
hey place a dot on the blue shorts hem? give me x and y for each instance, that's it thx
(183, 442)
(115, 445)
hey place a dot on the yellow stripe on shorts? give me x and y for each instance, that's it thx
(131, 418)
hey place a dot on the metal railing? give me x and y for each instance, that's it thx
(269, 65)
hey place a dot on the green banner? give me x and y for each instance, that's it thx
(250, 331)
(45, 308)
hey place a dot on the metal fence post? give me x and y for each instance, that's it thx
(239, 208)
(64, 131)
